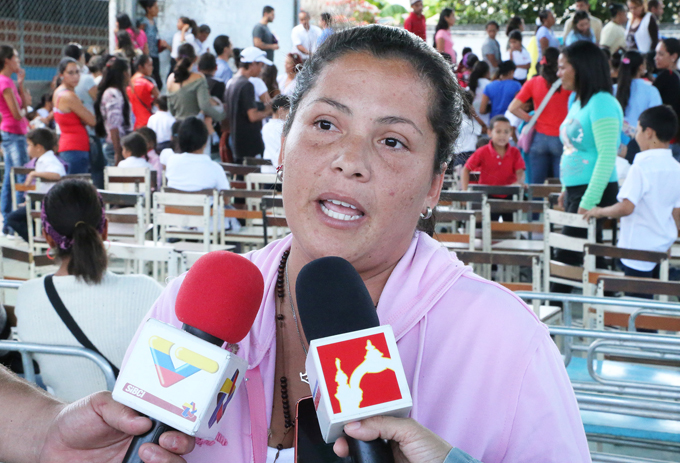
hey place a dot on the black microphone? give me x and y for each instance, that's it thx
(332, 299)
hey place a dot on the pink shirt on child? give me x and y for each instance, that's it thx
(9, 124)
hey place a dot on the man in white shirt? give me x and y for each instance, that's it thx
(649, 201)
(161, 122)
(305, 36)
(272, 131)
(202, 39)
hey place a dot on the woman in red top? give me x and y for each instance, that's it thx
(546, 148)
(71, 116)
(142, 91)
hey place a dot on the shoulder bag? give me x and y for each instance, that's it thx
(527, 136)
(70, 323)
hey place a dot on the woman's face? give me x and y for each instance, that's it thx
(566, 72)
(147, 69)
(290, 65)
(13, 63)
(663, 59)
(550, 20)
(358, 165)
(637, 10)
(583, 26)
(153, 11)
(451, 19)
(180, 24)
(71, 75)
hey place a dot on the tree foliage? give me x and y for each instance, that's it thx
(482, 11)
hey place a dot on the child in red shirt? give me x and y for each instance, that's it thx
(498, 163)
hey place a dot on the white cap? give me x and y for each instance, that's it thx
(415, 1)
(254, 55)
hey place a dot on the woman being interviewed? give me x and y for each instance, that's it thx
(362, 171)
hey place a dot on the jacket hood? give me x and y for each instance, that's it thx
(422, 276)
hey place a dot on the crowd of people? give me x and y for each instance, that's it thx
(363, 171)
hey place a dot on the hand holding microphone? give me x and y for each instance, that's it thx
(412, 442)
(182, 379)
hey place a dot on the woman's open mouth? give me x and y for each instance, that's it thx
(340, 210)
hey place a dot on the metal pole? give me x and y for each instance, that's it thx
(113, 11)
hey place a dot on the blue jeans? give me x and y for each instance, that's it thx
(109, 154)
(544, 155)
(14, 149)
(78, 161)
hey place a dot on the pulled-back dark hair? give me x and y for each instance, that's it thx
(382, 42)
(192, 24)
(147, 4)
(6, 52)
(549, 68)
(186, 58)
(63, 64)
(442, 24)
(515, 24)
(505, 68)
(672, 46)
(578, 17)
(592, 74)
(615, 9)
(113, 75)
(630, 64)
(140, 61)
(480, 69)
(73, 50)
(125, 43)
(74, 210)
(542, 16)
(124, 22)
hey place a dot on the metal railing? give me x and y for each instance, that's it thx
(26, 349)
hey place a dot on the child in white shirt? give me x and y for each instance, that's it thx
(520, 56)
(48, 169)
(649, 201)
(134, 152)
(161, 123)
(272, 130)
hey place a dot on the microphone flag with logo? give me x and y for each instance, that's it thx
(353, 366)
(182, 378)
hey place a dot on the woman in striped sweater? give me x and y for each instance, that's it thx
(591, 135)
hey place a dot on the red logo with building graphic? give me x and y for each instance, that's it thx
(359, 373)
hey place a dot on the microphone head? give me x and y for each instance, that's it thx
(333, 299)
(221, 295)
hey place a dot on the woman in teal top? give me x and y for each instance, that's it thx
(591, 135)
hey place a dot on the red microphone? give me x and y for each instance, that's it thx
(183, 379)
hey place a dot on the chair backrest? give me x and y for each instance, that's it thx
(259, 181)
(657, 320)
(182, 210)
(277, 224)
(248, 161)
(515, 192)
(450, 220)
(555, 271)
(528, 208)
(135, 256)
(132, 180)
(239, 170)
(538, 191)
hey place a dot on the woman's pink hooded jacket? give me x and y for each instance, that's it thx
(483, 371)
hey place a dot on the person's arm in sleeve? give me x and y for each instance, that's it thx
(606, 132)
(547, 425)
(653, 32)
(208, 109)
(634, 187)
(471, 165)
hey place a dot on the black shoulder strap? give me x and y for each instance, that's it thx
(70, 323)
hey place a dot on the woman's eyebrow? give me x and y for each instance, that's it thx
(398, 120)
(336, 104)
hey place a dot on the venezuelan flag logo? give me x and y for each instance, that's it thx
(168, 374)
(223, 398)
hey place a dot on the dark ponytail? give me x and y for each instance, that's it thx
(549, 67)
(186, 58)
(113, 75)
(630, 64)
(442, 24)
(74, 210)
(479, 71)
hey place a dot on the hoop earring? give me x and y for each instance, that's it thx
(107, 248)
(49, 254)
(427, 215)
(279, 174)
